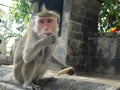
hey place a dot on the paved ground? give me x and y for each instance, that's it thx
(63, 82)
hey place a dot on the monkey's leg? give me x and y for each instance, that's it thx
(17, 73)
(28, 74)
(28, 83)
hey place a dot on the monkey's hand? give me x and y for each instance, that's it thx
(49, 40)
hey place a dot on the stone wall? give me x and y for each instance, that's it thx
(61, 49)
(86, 49)
(2, 49)
(2, 45)
(83, 20)
(103, 53)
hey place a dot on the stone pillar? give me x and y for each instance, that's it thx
(83, 20)
(2, 49)
(61, 49)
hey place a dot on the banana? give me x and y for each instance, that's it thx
(64, 71)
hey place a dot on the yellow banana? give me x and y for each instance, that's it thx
(64, 71)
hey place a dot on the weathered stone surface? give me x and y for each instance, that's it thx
(83, 20)
(61, 49)
(2, 45)
(64, 82)
(76, 36)
(72, 60)
(105, 53)
(73, 43)
(75, 27)
(6, 60)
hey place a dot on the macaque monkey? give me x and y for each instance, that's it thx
(36, 47)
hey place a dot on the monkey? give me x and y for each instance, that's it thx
(35, 49)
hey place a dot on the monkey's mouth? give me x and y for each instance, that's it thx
(48, 34)
(45, 35)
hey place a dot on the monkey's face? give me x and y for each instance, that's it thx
(47, 26)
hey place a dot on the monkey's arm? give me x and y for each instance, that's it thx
(30, 53)
(63, 66)
(33, 47)
(58, 62)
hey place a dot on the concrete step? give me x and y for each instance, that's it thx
(63, 82)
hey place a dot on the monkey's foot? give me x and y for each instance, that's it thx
(32, 87)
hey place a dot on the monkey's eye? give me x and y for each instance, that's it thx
(49, 20)
(41, 21)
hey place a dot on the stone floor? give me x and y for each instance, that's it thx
(63, 82)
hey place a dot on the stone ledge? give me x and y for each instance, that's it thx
(63, 82)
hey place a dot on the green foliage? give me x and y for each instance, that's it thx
(14, 23)
(6, 28)
(21, 10)
(109, 16)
